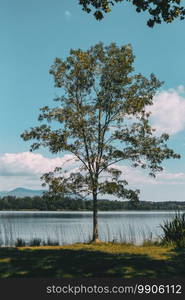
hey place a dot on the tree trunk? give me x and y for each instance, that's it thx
(95, 238)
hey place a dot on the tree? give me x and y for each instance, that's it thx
(159, 10)
(101, 119)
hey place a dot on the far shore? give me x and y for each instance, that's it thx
(101, 211)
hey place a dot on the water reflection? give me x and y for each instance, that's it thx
(71, 227)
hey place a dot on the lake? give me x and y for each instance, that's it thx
(71, 227)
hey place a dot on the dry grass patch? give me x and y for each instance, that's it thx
(153, 251)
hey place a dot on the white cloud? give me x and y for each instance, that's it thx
(25, 169)
(171, 176)
(168, 111)
(181, 89)
(10, 183)
(27, 163)
(134, 175)
(137, 177)
(67, 14)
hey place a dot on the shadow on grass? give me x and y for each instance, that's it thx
(60, 263)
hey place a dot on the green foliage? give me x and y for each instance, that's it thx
(78, 204)
(102, 120)
(20, 243)
(159, 10)
(174, 231)
(35, 242)
(50, 242)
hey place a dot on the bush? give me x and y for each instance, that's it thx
(20, 243)
(35, 242)
(50, 242)
(174, 231)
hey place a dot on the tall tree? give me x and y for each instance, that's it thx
(101, 119)
(159, 10)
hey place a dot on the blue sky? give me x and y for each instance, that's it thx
(34, 32)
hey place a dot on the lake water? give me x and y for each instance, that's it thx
(71, 227)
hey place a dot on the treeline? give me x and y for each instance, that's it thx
(43, 203)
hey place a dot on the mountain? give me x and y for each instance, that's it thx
(21, 192)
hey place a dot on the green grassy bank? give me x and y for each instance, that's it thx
(92, 260)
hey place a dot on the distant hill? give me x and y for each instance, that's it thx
(21, 192)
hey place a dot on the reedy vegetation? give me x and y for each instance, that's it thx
(174, 230)
(173, 234)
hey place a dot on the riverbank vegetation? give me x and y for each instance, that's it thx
(174, 231)
(71, 204)
(10, 235)
(172, 234)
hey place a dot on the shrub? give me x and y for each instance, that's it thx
(50, 242)
(20, 242)
(174, 231)
(35, 242)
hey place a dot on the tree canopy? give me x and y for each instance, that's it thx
(159, 10)
(42, 203)
(102, 118)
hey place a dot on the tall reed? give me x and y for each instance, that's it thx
(13, 236)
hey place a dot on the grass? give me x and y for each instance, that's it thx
(46, 258)
(92, 260)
